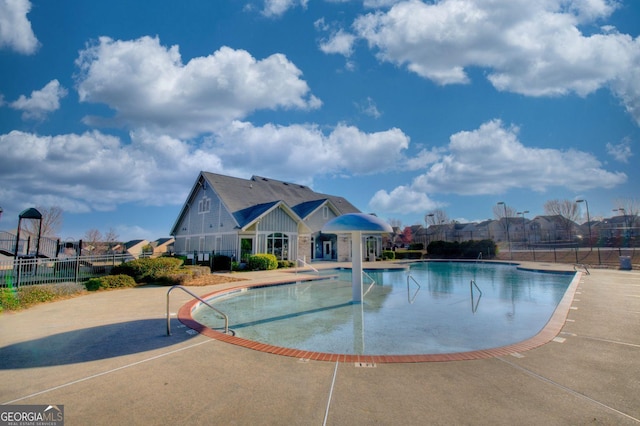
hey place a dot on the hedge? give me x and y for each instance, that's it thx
(388, 255)
(408, 254)
(262, 262)
(148, 269)
(464, 250)
(110, 281)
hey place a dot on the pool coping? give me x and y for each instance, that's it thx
(551, 329)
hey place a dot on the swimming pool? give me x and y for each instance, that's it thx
(432, 308)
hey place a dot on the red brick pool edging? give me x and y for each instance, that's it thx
(548, 333)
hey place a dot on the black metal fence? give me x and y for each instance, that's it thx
(31, 270)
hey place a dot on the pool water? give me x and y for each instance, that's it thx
(436, 307)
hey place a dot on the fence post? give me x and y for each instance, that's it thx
(76, 268)
(555, 259)
(19, 264)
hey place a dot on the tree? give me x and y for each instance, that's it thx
(436, 217)
(51, 222)
(111, 238)
(93, 241)
(436, 221)
(567, 211)
(407, 235)
(629, 208)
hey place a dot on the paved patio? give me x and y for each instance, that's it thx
(106, 357)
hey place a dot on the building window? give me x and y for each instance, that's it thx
(278, 245)
(204, 206)
(325, 212)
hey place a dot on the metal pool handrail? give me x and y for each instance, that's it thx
(474, 306)
(305, 263)
(581, 265)
(412, 299)
(224, 316)
(373, 282)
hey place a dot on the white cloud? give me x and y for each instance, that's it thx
(95, 171)
(286, 152)
(622, 151)
(369, 107)
(402, 200)
(15, 28)
(423, 159)
(491, 160)
(274, 8)
(148, 85)
(340, 43)
(528, 47)
(41, 102)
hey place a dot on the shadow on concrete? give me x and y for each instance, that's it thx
(90, 344)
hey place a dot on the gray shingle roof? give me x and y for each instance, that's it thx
(247, 199)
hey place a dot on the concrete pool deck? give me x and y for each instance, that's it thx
(106, 357)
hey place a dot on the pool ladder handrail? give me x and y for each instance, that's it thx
(224, 316)
(581, 265)
(409, 297)
(302, 260)
(372, 283)
(474, 306)
(479, 257)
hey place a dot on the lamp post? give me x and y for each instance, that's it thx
(1, 212)
(588, 222)
(431, 215)
(507, 222)
(524, 232)
(624, 216)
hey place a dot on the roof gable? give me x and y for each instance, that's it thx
(247, 199)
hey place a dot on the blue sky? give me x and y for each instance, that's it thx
(109, 110)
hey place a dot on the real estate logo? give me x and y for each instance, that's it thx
(31, 415)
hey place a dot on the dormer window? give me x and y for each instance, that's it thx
(325, 212)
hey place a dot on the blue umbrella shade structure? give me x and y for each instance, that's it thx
(356, 224)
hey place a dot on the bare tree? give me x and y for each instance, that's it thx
(395, 223)
(436, 221)
(93, 241)
(501, 211)
(111, 238)
(51, 222)
(629, 208)
(436, 217)
(567, 211)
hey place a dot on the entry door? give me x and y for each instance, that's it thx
(326, 249)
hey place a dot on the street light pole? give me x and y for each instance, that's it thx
(524, 231)
(624, 216)
(507, 222)
(588, 222)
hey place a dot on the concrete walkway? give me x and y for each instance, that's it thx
(106, 357)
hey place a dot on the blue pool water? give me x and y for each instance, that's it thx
(436, 307)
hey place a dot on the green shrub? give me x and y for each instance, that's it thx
(148, 269)
(464, 250)
(388, 255)
(408, 254)
(110, 281)
(30, 295)
(25, 296)
(286, 264)
(416, 246)
(262, 262)
(9, 299)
